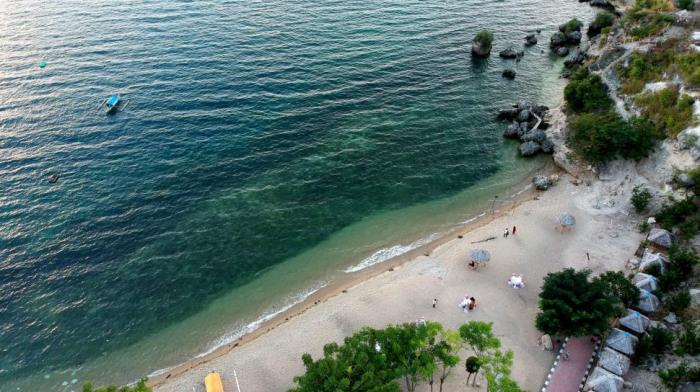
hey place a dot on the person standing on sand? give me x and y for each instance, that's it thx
(434, 302)
(514, 229)
(505, 233)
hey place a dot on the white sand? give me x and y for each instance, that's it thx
(269, 362)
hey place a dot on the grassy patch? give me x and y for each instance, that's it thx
(663, 62)
(648, 18)
(670, 111)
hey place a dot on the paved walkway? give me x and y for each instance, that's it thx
(569, 373)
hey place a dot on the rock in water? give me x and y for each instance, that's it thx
(530, 39)
(562, 51)
(534, 136)
(573, 37)
(603, 4)
(508, 53)
(541, 183)
(508, 73)
(524, 115)
(558, 39)
(480, 50)
(508, 114)
(512, 131)
(528, 149)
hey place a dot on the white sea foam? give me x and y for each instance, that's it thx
(387, 253)
(250, 327)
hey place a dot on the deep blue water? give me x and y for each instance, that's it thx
(255, 129)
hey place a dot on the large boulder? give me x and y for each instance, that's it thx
(508, 73)
(572, 25)
(524, 115)
(558, 39)
(530, 39)
(508, 53)
(523, 128)
(547, 146)
(528, 149)
(685, 180)
(540, 110)
(577, 58)
(479, 49)
(512, 131)
(534, 136)
(573, 38)
(605, 4)
(524, 105)
(542, 183)
(562, 51)
(508, 114)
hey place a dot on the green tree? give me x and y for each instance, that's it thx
(600, 137)
(587, 93)
(498, 370)
(446, 353)
(484, 37)
(139, 387)
(409, 348)
(618, 284)
(640, 198)
(478, 335)
(359, 364)
(572, 305)
(472, 366)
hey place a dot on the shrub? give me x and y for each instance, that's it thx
(484, 37)
(688, 5)
(679, 301)
(683, 259)
(670, 111)
(604, 19)
(572, 25)
(653, 269)
(139, 387)
(600, 138)
(657, 341)
(587, 93)
(688, 341)
(644, 227)
(675, 213)
(640, 198)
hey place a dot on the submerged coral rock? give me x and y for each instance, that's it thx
(529, 148)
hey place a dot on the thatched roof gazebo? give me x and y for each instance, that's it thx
(566, 221)
(660, 238)
(614, 362)
(602, 380)
(648, 302)
(479, 255)
(651, 258)
(621, 341)
(645, 281)
(635, 322)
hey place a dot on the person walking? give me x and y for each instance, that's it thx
(434, 302)
(505, 233)
(514, 229)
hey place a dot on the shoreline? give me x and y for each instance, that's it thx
(519, 193)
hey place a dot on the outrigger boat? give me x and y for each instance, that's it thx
(114, 104)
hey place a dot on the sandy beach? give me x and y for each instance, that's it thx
(270, 360)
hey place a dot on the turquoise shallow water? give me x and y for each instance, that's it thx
(259, 138)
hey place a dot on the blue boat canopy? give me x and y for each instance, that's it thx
(113, 100)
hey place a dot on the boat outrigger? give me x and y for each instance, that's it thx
(114, 104)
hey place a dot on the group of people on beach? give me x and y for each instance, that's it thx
(468, 304)
(507, 232)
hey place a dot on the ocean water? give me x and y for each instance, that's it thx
(268, 147)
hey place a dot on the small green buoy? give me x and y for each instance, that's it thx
(42, 63)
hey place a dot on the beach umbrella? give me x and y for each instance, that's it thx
(614, 362)
(621, 341)
(645, 282)
(635, 322)
(566, 220)
(602, 380)
(648, 302)
(479, 255)
(661, 238)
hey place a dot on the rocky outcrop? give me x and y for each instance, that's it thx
(526, 125)
(577, 58)
(541, 183)
(508, 73)
(530, 39)
(480, 49)
(558, 39)
(511, 53)
(528, 149)
(573, 38)
(605, 4)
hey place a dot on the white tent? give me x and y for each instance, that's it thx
(661, 238)
(648, 302)
(651, 258)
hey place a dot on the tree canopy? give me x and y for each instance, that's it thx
(573, 305)
(139, 387)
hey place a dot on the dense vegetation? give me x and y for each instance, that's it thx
(572, 25)
(378, 359)
(668, 109)
(139, 387)
(683, 214)
(603, 20)
(571, 304)
(484, 37)
(664, 61)
(597, 133)
(640, 198)
(648, 18)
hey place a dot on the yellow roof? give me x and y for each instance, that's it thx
(213, 382)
